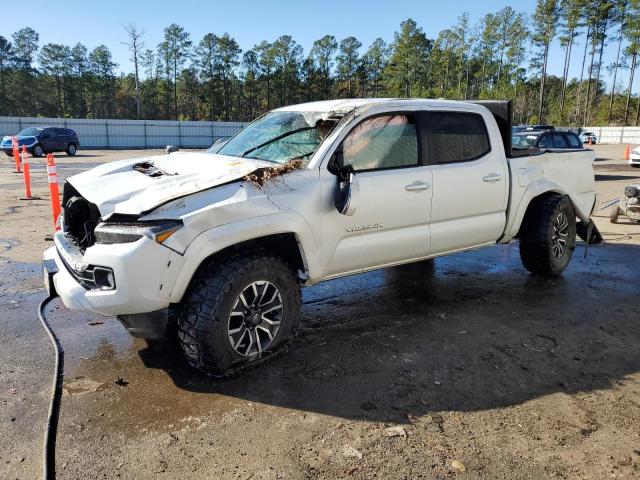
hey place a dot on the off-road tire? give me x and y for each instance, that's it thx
(37, 151)
(203, 316)
(71, 149)
(537, 235)
(614, 213)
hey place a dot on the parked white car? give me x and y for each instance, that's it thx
(586, 136)
(634, 157)
(217, 245)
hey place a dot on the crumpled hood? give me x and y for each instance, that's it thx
(117, 187)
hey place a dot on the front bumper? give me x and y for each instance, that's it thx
(634, 159)
(141, 271)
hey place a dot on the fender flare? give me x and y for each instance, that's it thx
(533, 191)
(216, 239)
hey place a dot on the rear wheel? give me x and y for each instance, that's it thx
(37, 151)
(238, 311)
(548, 235)
(8, 154)
(71, 149)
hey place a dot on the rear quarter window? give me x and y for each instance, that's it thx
(457, 137)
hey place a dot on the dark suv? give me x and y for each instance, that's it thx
(41, 140)
(546, 139)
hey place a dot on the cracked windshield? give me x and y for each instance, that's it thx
(280, 137)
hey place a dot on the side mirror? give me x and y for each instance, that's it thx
(347, 192)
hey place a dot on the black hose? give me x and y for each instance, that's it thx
(49, 459)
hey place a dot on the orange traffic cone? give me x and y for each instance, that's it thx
(27, 176)
(626, 152)
(16, 154)
(53, 189)
(590, 143)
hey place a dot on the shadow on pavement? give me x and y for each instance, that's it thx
(473, 332)
(609, 178)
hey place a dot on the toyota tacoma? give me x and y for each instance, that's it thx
(213, 247)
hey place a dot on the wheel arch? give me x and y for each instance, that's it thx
(539, 190)
(287, 245)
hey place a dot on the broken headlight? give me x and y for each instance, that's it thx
(116, 232)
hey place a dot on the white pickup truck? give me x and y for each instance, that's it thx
(214, 246)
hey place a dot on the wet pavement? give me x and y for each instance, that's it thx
(478, 361)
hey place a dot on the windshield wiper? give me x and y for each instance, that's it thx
(275, 139)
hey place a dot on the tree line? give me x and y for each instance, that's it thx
(504, 55)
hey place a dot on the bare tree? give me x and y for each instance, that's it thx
(135, 45)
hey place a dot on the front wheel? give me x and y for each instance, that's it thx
(71, 149)
(237, 311)
(548, 235)
(37, 151)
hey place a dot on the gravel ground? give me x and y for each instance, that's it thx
(468, 367)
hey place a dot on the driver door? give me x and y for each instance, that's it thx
(390, 224)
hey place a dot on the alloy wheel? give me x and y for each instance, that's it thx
(255, 318)
(560, 237)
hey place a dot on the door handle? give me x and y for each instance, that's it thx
(492, 178)
(417, 186)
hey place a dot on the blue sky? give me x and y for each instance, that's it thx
(250, 21)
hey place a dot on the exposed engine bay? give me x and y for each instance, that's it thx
(80, 217)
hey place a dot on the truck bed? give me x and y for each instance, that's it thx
(567, 172)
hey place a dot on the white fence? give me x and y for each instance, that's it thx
(615, 134)
(94, 133)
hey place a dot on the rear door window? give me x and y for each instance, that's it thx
(546, 141)
(559, 141)
(457, 137)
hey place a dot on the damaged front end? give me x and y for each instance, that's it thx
(83, 224)
(79, 217)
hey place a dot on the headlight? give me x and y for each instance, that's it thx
(109, 233)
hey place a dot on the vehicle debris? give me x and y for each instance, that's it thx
(121, 381)
(458, 465)
(350, 451)
(81, 386)
(396, 432)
